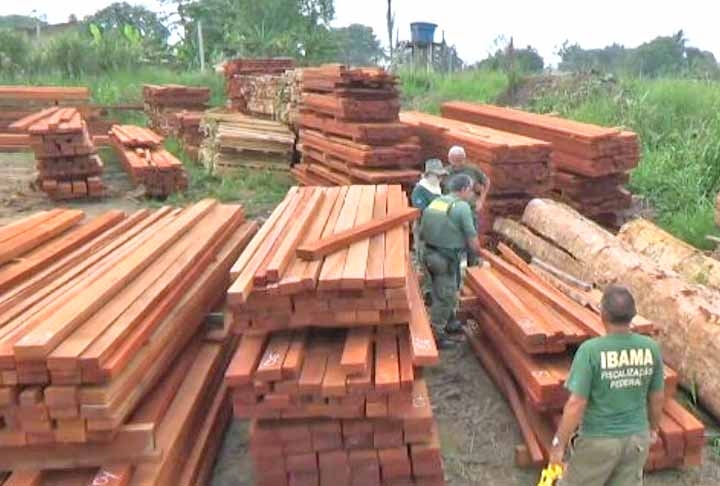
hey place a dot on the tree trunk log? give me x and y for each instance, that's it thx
(687, 315)
(529, 242)
(669, 252)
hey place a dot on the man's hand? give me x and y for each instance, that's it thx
(557, 454)
(654, 436)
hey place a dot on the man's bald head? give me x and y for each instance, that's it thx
(617, 306)
(456, 155)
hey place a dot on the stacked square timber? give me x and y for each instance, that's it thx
(266, 88)
(331, 376)
(17, 102)
(162, 102)
(518, 166)
(67, 162)
(188, 132)
(146, 161)
(590, 162)
(350, 131)
(518, 314)
(86, 336)
(235, 142)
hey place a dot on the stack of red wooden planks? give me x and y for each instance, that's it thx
(350, 131)
(67, 162)
(147, 162)
(189, 132)
(20, 101)
(590, 162)
(518, 166)
(249, 66)
(329, 363)
(92, 319)
(522, 334)
(255, 86)
(162, 102)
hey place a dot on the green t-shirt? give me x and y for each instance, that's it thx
(447, 222)
(615, 373)
(477, 174)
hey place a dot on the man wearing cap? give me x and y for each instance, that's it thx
(616, 399)
(447, 231)
(425, 191)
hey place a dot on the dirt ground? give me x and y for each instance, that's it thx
(18, 196)
(478, 434)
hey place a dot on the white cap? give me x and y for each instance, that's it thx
(456, 151)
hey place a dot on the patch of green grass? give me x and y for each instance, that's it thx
(425, 91)
(259, 192)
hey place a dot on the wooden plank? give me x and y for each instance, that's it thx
(344, 239)
(334, 264)
(300, 225)
(357, 350)
(313, 370)
(422, 341)
(353, 276)
(24, 478)
(65, 318)
(271, 363)
(407, 374)
(396, 251)
(33, 263)
(299, 274)
(314, 268)
(12, 230)
(387, 368)
(294, 358)
(243, 364)
(132, 443)
(38, 234)
(333, 384)
(259, 238)
(240, 289)
(276, 238)
(376, 251)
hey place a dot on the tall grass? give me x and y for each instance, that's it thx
(425, 91)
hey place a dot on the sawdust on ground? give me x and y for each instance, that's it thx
(478, 434)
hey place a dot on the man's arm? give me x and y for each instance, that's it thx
(571, 418)
(656, 403)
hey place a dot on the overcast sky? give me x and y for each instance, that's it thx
(473, 25)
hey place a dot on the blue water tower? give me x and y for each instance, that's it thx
(423, 33)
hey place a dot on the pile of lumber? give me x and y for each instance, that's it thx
(235, 142)
(350, 132)
(162, 102)
(591, 162)
(105, 358)
(266, 88)
(188, 132)
(68, 166)
(147, 163)
(17, 102)
(523, 326)
(334, 337)
(518, 166)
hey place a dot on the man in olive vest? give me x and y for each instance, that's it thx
(616, 385)
(448, 230)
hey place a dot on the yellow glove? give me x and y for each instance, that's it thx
(550, 475)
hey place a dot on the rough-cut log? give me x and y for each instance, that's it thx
(669, 252)
(529, 242)
(687, 315)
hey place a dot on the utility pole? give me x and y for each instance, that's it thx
(201, 46)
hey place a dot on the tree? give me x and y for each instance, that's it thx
(120, 14)
(526, 60)
(357, 45)
(390, 27)
(296, 28)
(662, 55)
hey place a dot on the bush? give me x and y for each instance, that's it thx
(15, 52)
